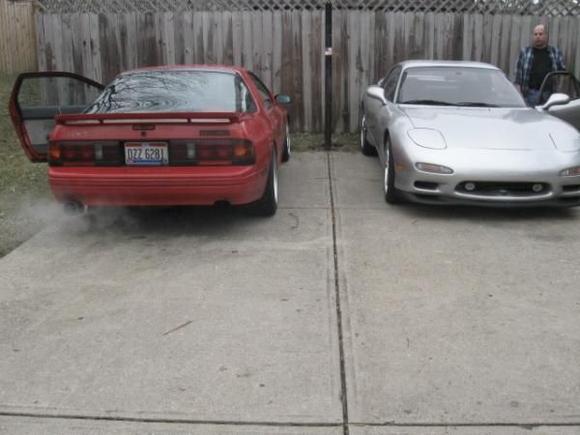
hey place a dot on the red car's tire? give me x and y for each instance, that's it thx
(268, 203)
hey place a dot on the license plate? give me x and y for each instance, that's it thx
(146, 153)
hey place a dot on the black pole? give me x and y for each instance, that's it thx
(328, 78)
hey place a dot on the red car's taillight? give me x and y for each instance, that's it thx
(84, 154)
(212, 152)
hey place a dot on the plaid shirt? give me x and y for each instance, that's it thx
(526, 60)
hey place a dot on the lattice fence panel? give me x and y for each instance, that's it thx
(513, 7)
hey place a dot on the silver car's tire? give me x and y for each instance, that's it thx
(366, 148)
(287, 149)
(392, 195)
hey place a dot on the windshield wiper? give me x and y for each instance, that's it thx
(427, 102)
(475, 104)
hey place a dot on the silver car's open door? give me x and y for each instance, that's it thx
(565, 83)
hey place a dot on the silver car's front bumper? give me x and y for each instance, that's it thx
(494, 185)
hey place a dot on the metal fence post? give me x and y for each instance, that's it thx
(328, 77)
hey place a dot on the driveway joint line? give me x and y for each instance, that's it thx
(532, 425)
(343, 390)
(164, 420)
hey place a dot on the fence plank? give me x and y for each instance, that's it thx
(417, 36)
(339, 69)
(110, 46)
(227, 38)
(247, 57)
(237, 37)
(505, 59)
(51, 47)
(467, 36)
(66, 39)
(257, 43)
(297, 59)
(184, 43)
(168, 38)
(571, 40)
(353, 78)
(277, 52)
(515, 45)
(317, 62)
(41, 42)
(574, 64)
(17, 37)
(306, 37)
(4, 58)
(132, 40)
(479, 37)
(217, 39)
(198, 43)
(286, 70)
(495, 40)
(380, 53)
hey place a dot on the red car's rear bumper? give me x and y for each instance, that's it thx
(131, 186)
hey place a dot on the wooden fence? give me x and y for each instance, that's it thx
(286, 48)
(17, 37)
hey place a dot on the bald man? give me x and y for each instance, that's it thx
(535, 62)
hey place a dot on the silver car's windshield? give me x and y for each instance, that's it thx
(457, 86)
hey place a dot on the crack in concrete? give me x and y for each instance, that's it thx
(343, 391)
(177, 328)
(165, 420)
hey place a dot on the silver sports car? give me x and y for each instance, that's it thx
(459, 132)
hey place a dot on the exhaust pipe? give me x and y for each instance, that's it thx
(222, 203)
(74, 207)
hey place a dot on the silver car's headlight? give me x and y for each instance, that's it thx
(571, 172)
(427, 138)
(432, 168)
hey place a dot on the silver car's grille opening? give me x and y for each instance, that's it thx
(493, 188)
(426, 185)
(571, 188)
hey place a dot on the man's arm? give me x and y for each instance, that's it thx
(560, 65)
(520, 70)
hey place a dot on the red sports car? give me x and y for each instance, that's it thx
(175, 135)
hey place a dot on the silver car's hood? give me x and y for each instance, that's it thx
(495, 128)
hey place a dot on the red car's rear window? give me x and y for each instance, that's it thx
(174, 91)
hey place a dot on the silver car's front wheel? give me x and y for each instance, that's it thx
(366, 148)
(387, 171)
(392, 195)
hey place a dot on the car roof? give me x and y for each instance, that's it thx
(201, 67)
(446, 63)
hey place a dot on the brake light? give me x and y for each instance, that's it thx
(84, 154)
(242, 151)
(54, 152)
(209, 152)
(78, 153)
(232, 153)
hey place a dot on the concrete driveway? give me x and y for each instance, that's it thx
(339, 315)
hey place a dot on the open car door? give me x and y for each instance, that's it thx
(563, 82)
(35, 100)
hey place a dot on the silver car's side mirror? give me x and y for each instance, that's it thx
(377, 93)
(555, 100)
